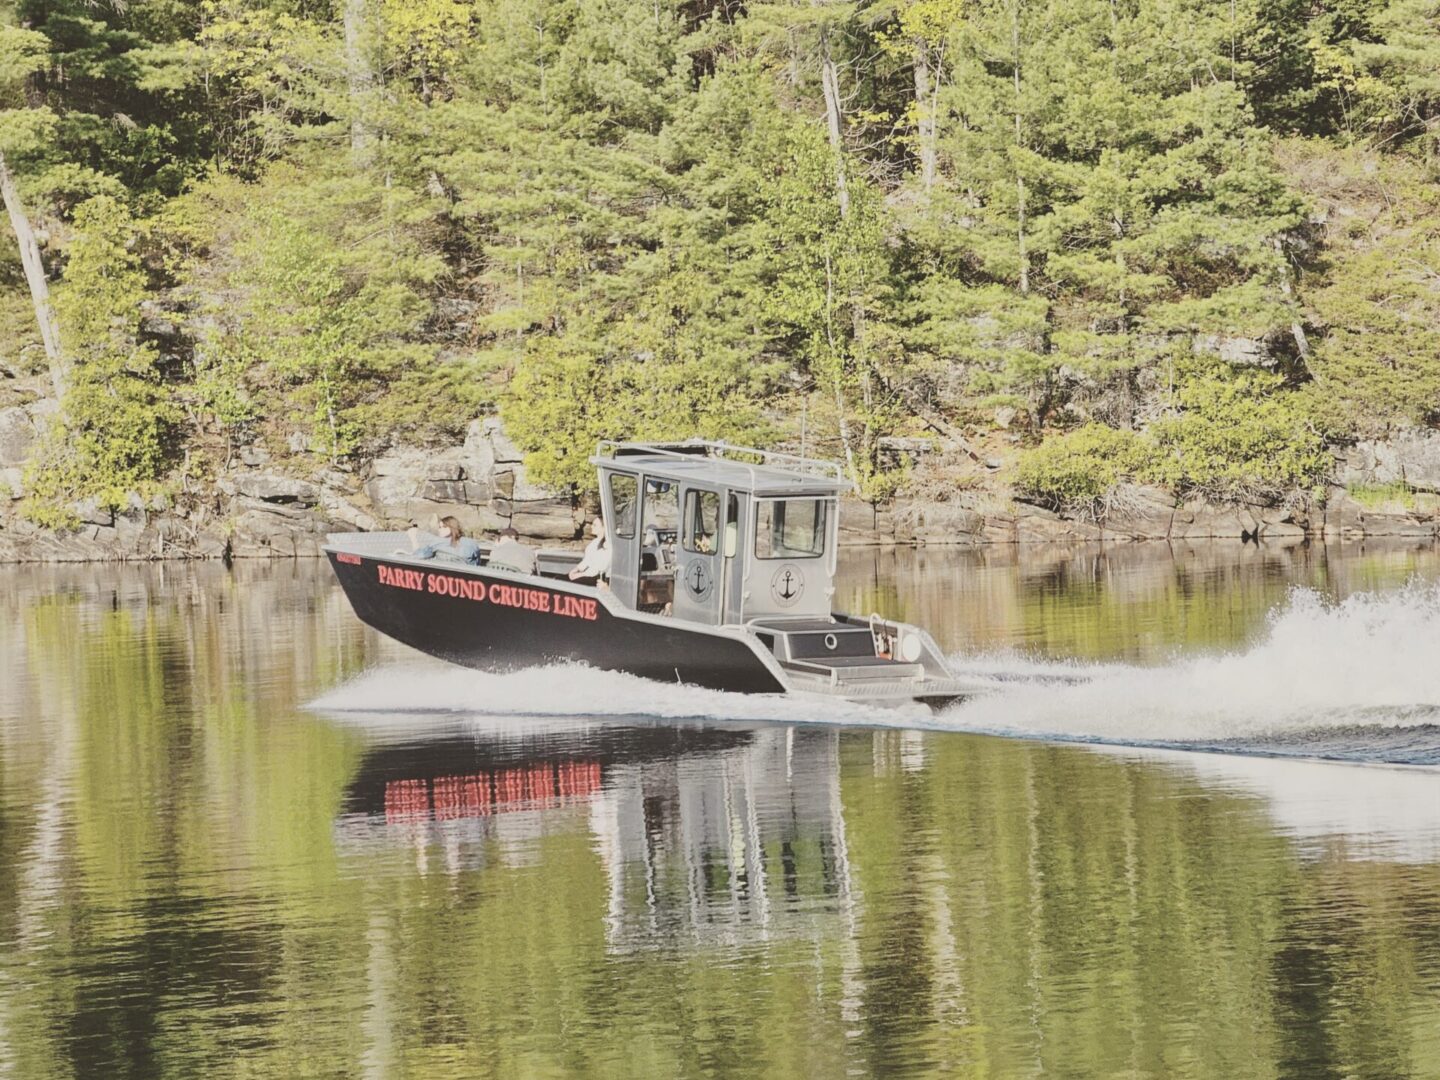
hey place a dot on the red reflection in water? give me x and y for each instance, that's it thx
(449, 798)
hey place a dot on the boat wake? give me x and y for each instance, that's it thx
(426, 688)
(1357, 680)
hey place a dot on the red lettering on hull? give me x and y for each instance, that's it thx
(401, 578)
(495, 592)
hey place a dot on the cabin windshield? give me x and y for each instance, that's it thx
(790, 528)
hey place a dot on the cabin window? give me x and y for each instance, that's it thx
(623, 491)
(702, 521)
(790, 528)
(662, 513)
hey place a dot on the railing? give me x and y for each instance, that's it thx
(773, 459)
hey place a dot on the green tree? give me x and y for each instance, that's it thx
(1107, 178)
(113, 433)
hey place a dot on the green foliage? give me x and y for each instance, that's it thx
(113, 432)
(326, 299)
(1077, 470)
(608, 218)
(1380, 496)
(1101, 193)
(1231, 436)
(1238, 436)
(1378, 366)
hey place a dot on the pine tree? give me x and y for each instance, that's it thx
(1103, 174)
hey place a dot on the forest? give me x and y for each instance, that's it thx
(1068, 244)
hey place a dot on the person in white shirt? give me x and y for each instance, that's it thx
(594, 565)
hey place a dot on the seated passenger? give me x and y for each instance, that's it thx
(594, 565)
(454, 545)
(510, 554)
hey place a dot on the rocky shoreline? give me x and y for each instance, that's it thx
(259, 509)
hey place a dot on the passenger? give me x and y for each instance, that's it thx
(510, 554)
(594, 565)
(455, 545)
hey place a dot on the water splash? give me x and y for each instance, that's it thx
(1358, 678)
(1355, 680)
(573, 690)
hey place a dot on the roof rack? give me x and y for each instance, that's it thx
(691, 448)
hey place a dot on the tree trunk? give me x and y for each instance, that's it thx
(925, 112)
(933, 419)
(830, 84)
(1019, 141)
(35, 278)
(357, 74)
(836, 365)
(1287, 290)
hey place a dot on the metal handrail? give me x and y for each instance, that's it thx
(778, 459)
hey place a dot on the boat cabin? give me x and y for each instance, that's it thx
(716, 534)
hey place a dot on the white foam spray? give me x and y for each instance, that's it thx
(1369, 662)
(572, 690)
(1372, 660)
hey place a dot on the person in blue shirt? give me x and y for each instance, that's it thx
(453, 545)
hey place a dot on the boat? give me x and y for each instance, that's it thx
(722, 576)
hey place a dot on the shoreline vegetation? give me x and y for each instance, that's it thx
(1031, 269)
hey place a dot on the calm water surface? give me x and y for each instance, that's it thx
(242, 836)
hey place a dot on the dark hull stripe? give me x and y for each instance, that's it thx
(504, 624)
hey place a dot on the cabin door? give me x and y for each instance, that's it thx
(733, 553)
(699, 588)
(620, 499)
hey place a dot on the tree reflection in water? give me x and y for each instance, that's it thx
(198, 877)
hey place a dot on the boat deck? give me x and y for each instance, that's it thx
(553, 562)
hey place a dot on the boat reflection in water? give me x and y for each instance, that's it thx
(706, 835)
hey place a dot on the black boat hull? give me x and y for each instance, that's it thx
(497, 622)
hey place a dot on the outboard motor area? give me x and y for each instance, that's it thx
(841, 652)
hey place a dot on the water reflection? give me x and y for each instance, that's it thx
(1133, 602)
(199, 877)
(1378, 814)
(705, 835)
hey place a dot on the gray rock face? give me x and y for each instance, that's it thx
(343, 511)
(452, 491)
(482, 483)
(275, 488)
(421, 465)
(1140, 512)
(1242, 352)
(1411, 458)
(1198, 519)
(936, 523)
(1034, 524)
(548, 519)
(130, 537)
(1413, 515)
(261, 529)
(90, 512)
(864, 524)
(17, 436)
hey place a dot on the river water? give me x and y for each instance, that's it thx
(1193, 832)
